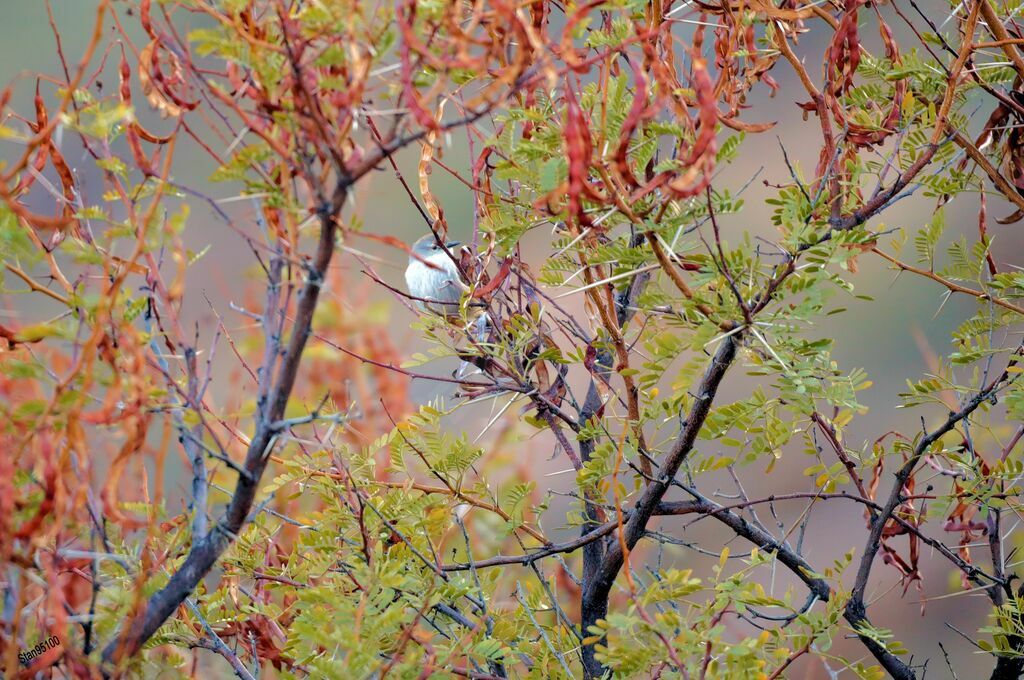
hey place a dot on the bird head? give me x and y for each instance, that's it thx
(427, 246)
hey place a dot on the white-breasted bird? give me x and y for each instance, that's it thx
(437, 285)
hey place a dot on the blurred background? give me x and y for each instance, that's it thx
(895, 337)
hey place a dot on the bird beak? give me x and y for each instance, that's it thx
(452, 244)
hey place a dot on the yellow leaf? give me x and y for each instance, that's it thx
(37, 332)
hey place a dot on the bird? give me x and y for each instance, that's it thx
(435, 282)
(432, 277)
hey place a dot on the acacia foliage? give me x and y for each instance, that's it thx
(332, 527)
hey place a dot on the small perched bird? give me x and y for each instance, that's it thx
(437, 285)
